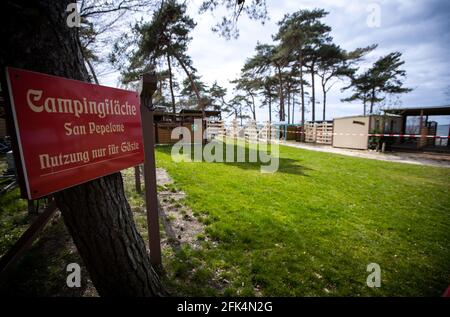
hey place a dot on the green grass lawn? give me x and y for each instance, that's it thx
(14, 217)
(312, 228)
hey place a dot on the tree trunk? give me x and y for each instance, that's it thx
(160, 87)
(289, 103)
(92, 70)
(194, 86)
(313, 92)
(293, 108)
(280, 92)
(101, 223)
(302, 90)
(174, 110)
(253, 107)
(96, 213)
(372, 100)
(88, 62)
(324, 101)
(270, 107)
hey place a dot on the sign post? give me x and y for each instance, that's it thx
(148, 87)
(69, 132)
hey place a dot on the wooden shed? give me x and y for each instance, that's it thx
(353, 132)
(434, 136)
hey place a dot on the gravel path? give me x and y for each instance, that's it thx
(428, 159)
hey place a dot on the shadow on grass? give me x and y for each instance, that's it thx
(42, 270)
(285, 165)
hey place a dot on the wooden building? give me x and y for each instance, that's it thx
(427, 127)
(165, 122)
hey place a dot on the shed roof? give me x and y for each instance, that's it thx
(187, 113)
(367, 116)
(415, 111)
(208, 113)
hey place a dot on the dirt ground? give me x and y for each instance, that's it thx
(419, 158)
(55, 247)
(180, 225)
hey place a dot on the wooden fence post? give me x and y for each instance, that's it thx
(26, 240)
(148, 87)
(137, 178)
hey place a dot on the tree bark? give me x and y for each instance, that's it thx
(96, 213)
(101, 223)
(174, 110)
(280, 92)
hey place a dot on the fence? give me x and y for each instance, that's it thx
(324, 133)
(215, 129)
(252, 131)
(319, 132)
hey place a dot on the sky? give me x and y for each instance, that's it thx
(419, 29)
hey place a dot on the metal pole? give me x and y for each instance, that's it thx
(421, 130)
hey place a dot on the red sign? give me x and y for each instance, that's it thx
(70, 132)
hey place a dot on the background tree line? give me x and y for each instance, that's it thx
(284, 77)
(303, 59)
